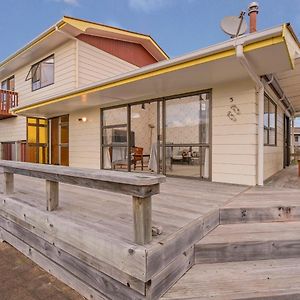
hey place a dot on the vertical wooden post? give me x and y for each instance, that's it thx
(142, 217)
(8, 184)
(52, 194)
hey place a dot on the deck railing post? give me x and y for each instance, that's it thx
(52, 194)
(142, 218)
(8, 184)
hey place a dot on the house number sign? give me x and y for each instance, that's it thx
(234, 111)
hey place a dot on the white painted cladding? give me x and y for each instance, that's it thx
(95, 65)
(234, 143)
(64, 76)
(84, 139)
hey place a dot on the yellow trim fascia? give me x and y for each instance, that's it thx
(183, 65)
(84, 25)
(284, 29)
(265, 43)
(34, 43)
(201, 60)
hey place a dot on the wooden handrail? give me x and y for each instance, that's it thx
(140, 186)
(8, 100)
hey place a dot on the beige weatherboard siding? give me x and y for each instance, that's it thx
(95, 65)
(13, 129)
(64, 75)
(84, 139)
(234, 143)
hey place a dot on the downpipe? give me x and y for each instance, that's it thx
(259, 87)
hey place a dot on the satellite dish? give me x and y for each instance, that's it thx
(233, 25)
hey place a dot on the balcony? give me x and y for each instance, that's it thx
(8, 100)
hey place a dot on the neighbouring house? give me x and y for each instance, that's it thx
(297, 136)
(89, 95)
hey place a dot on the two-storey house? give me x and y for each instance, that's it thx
(94, 96)
(71, 54)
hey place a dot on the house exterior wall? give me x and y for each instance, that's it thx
(95, 65)
(14, 129)
(234, 143)
(64, 75)
(84, 139)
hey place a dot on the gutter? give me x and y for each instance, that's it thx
(260, 99)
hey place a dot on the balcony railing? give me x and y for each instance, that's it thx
(8, 100)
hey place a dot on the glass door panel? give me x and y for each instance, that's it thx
(187, 136)
(144, 137)
(115, 138)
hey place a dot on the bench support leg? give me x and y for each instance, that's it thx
(8, 184)
(142, 216)
(52, 194)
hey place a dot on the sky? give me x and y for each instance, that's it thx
(179, 26)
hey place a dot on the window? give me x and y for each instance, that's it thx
(296, 139)
(42, 73)
(270, 122)
(8, 84)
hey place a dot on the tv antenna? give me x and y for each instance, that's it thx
(234, 25)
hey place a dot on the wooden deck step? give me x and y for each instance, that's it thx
(265, 279)
(279, 213)
(267, 204)
(253, 241)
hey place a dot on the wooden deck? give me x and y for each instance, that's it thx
(96, 228)
(211, 232)
(255, 251)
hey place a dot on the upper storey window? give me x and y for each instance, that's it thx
(8, 84)
(41, 73)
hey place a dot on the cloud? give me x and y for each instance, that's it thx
(148, 5)
(69, 2)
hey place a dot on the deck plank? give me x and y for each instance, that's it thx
(241, 280)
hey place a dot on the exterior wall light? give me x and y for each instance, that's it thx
(83, 119)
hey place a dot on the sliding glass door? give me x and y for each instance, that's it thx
(169, 136)
(187, 136)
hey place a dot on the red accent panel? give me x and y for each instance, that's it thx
(133, 53)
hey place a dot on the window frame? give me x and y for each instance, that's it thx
(39, 123)
(7, 80)
(268, 129)
(37, 68)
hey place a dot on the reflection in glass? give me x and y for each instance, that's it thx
(115, 116)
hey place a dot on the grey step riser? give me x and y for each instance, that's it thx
(259, 215)
(246, 251)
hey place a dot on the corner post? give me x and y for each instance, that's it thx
(8, 183)
(142, 217)
(52, 195)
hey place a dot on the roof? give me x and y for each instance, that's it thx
(268, 50)
(53, 37)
